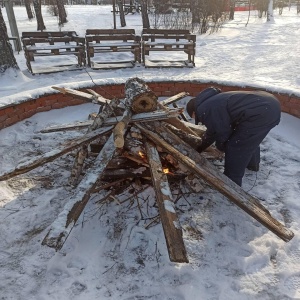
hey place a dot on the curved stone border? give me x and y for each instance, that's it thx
(14, 113)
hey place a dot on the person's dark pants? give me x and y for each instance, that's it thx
(242, 150)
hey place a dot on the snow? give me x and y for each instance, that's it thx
(114, 251)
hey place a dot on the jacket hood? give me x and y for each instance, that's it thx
(203, 96)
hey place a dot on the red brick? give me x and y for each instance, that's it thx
(44, 108)
(12, 120)
(295, 100)
(58, 105)
(3, 118)
(295, 112)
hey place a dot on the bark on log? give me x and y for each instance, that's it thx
(203, 168)
(168, 216)
(78, 165)
(107, 111)
(139, 96)
(121, 127)
(62, 226)
(52, 155)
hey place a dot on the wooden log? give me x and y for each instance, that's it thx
(128, 173)
(63, 225)
(197, 129)
(106, 112)
(182, 115)
(139, 96)
(194, 141)
(52, 155)
(82, 95)
(141, 117)
(203, 168)
(164, 199)
(121, 127)
(174, 98)
(78, 165)
(177, 123)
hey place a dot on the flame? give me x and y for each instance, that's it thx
(166, 170)
(141, 154)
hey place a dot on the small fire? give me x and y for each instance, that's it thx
(166, 170)
(141, 154)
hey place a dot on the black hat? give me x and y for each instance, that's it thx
(190, 107)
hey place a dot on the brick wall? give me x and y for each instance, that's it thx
(14, 113)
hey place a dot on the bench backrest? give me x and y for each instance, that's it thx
(166, 31)
(109, 31)
(174, 34)
(99, 35)
(51, 37)
(48, 34)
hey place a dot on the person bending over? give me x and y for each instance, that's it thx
(237, 122)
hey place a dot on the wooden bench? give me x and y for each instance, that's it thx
(53, 43)
(168, 40)
(112, 40)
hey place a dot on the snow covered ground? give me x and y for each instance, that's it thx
(110, 254)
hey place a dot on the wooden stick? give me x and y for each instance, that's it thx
(82, 95)
(174, 98)
(52, 155)
(62, 226)
(203, 168)
(168, 217)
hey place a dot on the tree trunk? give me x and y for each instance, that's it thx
(28, 9)
(145, 17)
(270, 17)
(61, 12)
(7, 58)
(231, 10)
(122, 14)
(39, 17)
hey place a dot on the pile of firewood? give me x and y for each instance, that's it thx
(140, 137)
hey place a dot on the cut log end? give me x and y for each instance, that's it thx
(144, 103)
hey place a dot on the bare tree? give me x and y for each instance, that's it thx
(231, 9)
(7, 58)
(270, 16)
(262, 7)
(28, 9)
(38, 12)
(122, 13)
(145, 17)
(62, 14)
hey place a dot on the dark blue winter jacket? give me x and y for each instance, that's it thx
(223, 113)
